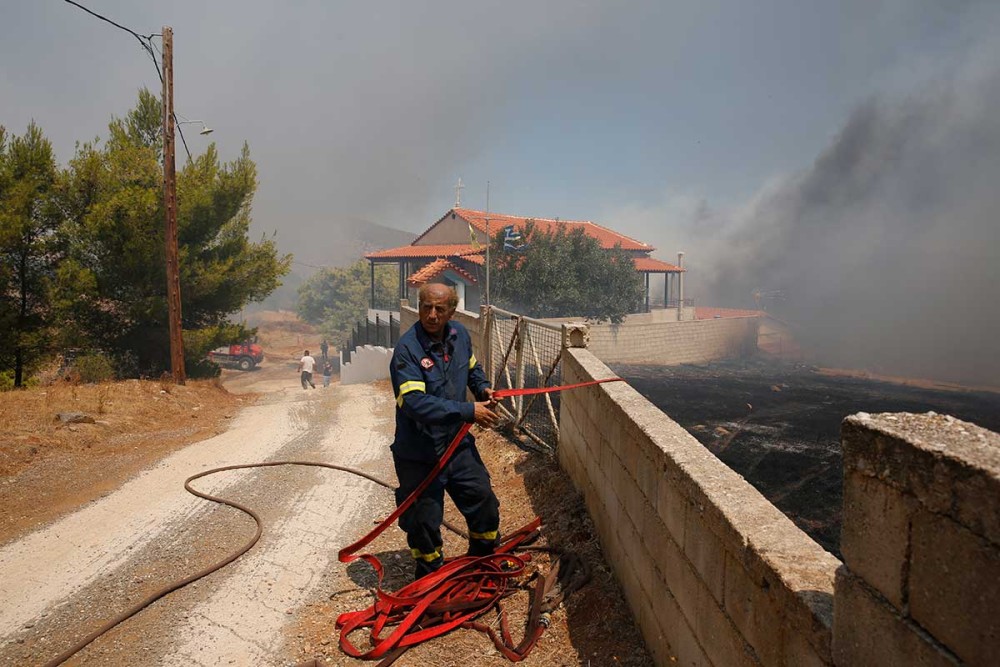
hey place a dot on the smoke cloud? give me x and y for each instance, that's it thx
(884, 252)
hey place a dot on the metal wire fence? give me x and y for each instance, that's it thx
(525, 352)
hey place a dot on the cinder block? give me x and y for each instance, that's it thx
(955, 588)
(632, 589)
(609, 461)
(672, 507)
(720, 638)
(622, 480)
(683, 647)
(605, 417)
(609, 499)
(869, 631)
(654, 533)
(875, 534)
(798, 652)
(633, 499)
(630, 539)
(594, 445)
(592, 463)
(630, 450)
(581, 476)
(645, 568)
(756, 612)
(652, 633)
(681, 580)
(648, 475)
(706, 553)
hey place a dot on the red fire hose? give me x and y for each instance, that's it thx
(465, 587)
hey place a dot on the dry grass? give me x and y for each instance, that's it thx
(283, 335)
(136, 422)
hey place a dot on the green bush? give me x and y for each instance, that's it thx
(93, 368)
(6, 380)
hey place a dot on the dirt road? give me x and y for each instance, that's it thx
(60, 582)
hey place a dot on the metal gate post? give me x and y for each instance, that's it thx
(522, 328)
(486, 340)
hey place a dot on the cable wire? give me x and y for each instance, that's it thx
(146, 41)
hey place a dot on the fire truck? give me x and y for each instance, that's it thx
(244, 356)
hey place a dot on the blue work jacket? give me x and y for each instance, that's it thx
(429, 379)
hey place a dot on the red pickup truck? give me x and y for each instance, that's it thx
(243, 356)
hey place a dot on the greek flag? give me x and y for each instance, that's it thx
(512, 239)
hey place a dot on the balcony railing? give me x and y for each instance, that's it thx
(380, 331)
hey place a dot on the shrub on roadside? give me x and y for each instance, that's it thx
(94, 368)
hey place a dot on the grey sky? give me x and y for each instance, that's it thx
(673, 122)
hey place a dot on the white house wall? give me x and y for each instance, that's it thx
(450, 230)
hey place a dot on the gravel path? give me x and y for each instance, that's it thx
(60, 582)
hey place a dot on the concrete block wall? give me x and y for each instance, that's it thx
(668, 343)
(713, 572)
(921, 542)
(408, 316)
(368, 364)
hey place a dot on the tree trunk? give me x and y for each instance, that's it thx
(22, 317)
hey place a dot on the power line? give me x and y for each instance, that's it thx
(311, 266)
(117, 25)
(146, 41)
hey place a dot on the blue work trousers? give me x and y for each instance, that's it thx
(467, 482)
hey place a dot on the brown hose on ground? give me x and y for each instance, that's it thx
(156, 595)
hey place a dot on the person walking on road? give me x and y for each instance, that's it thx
(431, 368)
(327, 373)
(306, 365)
(324, 348)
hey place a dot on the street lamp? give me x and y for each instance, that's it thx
(205, 129)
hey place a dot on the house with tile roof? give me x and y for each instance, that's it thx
(452, 251)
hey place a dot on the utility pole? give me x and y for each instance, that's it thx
(170, 212)
(489, 242)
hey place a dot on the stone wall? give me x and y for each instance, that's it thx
(921, 541)
(713, 572)
(408, 316)
(668, 343)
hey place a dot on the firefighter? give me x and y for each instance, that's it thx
(432, 366)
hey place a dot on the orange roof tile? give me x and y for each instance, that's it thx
(410, 251)
(607, 237)
(650, 265)
(436, 268)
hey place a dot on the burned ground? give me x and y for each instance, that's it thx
(778, 424)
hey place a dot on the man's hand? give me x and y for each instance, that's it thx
(484, 416)
(487, 396)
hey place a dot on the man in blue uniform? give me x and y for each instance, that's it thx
(432, 366)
